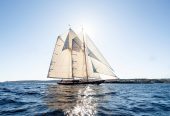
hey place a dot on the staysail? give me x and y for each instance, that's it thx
(97, 63)
(76, 57)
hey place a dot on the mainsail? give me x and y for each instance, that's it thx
(76, 57)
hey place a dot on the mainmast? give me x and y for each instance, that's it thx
(84, 45)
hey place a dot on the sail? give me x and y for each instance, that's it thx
(97, 64)
(78, 58)
(60, 66)
(99, 67)
(93, 51)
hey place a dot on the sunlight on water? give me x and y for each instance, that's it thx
(84, 104)
(73, 100)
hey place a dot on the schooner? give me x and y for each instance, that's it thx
(76, 60)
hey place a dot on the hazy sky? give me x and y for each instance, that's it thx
(133, 35)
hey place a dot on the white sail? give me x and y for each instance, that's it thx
(60, 66)
(97, 64)
(99, 67)
(78, 58)
(94, 52)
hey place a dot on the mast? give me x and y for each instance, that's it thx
(84, 45)
(70, 41)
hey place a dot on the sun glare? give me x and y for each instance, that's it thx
(89, 27)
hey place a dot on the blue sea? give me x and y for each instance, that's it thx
(50, 99)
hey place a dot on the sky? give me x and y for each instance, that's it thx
(133, 35)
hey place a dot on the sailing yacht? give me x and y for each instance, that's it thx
(76, 60)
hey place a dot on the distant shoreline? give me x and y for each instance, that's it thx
(115, 81)
(137, 81)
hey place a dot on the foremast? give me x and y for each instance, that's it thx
(70, 41)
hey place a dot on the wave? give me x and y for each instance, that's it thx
(9, 101)
(47, 98)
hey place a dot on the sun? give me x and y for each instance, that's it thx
(88, 27)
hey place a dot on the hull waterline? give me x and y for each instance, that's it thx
(77, 82)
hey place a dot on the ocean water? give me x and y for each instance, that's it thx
(49, 99)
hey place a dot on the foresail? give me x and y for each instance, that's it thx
(93, 51)
(97, 64)
(99, 67)
(60, 66)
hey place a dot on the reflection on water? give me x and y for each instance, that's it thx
(73, 100)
